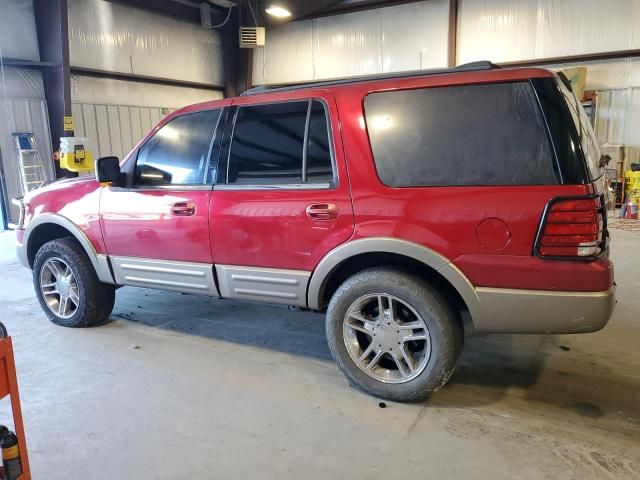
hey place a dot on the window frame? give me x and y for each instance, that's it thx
(540, 110)
(222, 182)
(204, 184)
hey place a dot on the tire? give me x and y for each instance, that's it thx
(406, 301)
(94, 299)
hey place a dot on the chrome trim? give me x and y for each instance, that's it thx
(335, 257)
(99, 261)
(290, 186)
(173, 275)
(263, 284)
(305, 145)
(504, 310)
(152, 188)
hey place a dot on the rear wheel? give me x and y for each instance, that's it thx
(393, 335)
(67, 286)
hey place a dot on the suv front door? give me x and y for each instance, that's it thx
(156, 229)
(281, 200)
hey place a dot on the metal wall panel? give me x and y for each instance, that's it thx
(118, 38)
(618, 117)
(22, 109)
(114, 129)
(511, 30)
(402, 37)
(18, 37)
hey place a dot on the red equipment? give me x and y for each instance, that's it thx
(9, 386)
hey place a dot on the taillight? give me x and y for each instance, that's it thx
(573, 228)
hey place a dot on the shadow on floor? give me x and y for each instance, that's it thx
(541, 366)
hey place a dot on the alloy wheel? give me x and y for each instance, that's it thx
(59, 287)
(386, 338)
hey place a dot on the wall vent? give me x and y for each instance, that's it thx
(251, 37)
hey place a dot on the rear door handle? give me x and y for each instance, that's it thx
(322, 211)
(183, 209)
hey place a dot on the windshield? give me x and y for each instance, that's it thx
(588, 138)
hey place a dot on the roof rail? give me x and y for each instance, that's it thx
(466, 67)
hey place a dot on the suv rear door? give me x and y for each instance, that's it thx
(282, 198)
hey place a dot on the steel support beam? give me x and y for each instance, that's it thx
(92, 72)
(453, 33)
(238, 62)
(587, 57)
(53, 42)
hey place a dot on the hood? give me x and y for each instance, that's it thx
(61, 184)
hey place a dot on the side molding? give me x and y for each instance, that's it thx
(165, 275)
(99, 261)
(433, 259)
(263, 284)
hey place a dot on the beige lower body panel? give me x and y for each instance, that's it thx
(263, 284)
(165, 275)
(503, 310)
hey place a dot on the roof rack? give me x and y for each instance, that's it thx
(466, 67)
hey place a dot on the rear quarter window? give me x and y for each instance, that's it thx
(490, 134)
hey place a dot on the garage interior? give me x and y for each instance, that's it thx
(183, 386)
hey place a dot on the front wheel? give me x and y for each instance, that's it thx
(68, 287)
(393, 335)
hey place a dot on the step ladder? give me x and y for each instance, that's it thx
(32, 172)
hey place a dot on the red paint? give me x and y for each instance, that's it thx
(139, 223)
(487, 232)
(271, 228)
(493, 234)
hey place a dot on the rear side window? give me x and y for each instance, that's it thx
(492, 134)
(178, 153)
(279, 144)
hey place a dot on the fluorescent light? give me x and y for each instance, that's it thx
(278, 11)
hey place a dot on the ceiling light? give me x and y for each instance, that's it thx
(278, 11)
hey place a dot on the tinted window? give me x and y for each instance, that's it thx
(564, 137)
(464, 135)
(268, 145)
(319, 167)
(177, 154)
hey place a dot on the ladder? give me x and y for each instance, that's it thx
(32, 172)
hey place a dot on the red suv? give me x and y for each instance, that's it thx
(414, 209)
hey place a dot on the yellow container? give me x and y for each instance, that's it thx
(631, 181)
(75, 154)
(77, 162)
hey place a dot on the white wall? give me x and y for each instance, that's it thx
(18, 38)
(85, 89)
(24, 109)
(405, 37)
(511, 30)
(415, 36)
(116, 114)
(117, 38)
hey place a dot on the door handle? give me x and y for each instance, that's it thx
(183, 209)
(322, 211)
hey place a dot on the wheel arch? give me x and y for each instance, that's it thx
(357, 255)
(47, 227)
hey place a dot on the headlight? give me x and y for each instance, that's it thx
(18, 202)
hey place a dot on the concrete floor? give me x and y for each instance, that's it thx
(179, 386)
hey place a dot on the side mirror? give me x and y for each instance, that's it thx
(108, 170)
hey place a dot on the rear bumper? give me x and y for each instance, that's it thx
(502, 310)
